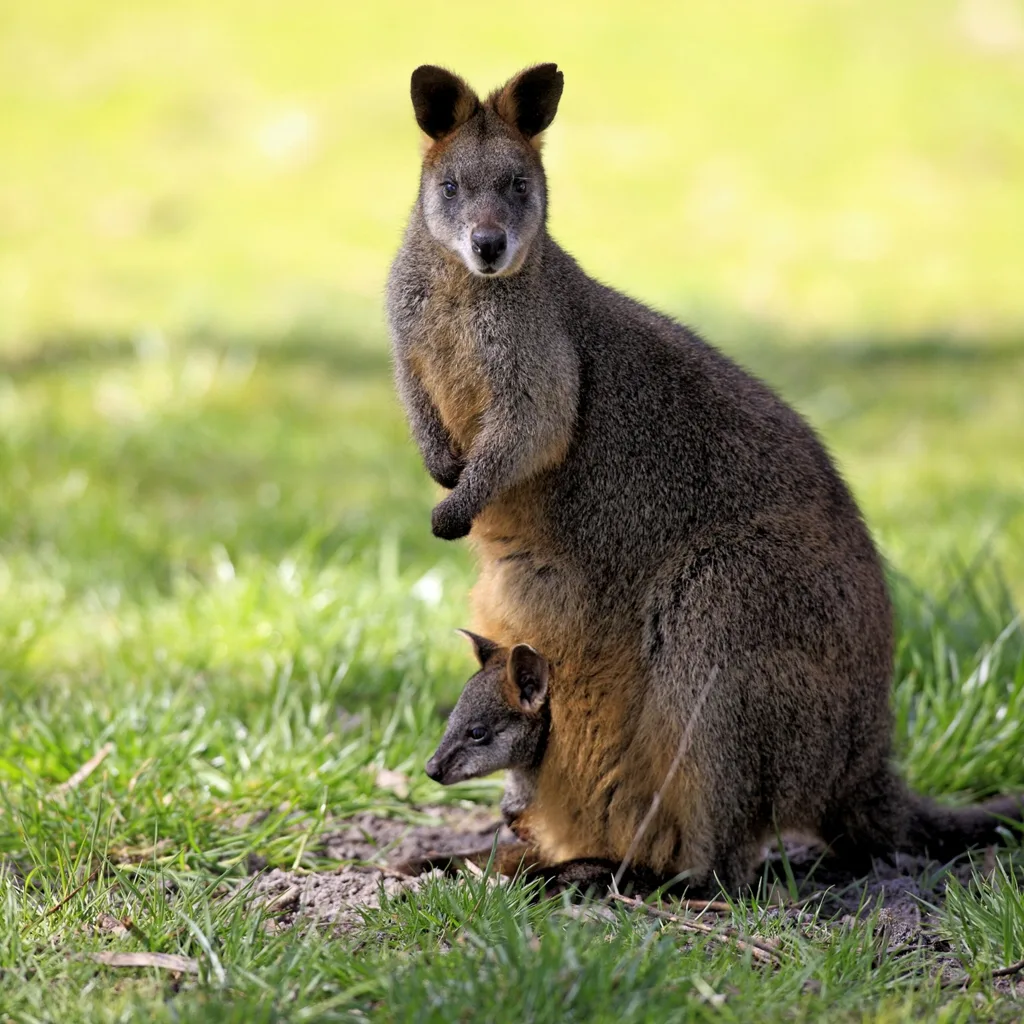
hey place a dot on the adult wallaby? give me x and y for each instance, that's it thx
(655, 520)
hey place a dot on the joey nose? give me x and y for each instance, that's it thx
(433, 769)
(488, 243)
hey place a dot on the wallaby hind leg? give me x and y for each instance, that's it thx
(731, 869)
(590, 876)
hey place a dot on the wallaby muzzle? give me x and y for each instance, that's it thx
(445, 766)
(489, 242)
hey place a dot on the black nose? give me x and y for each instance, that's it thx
(433, 770)
(488, 243)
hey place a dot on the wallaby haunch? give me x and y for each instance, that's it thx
(650, 516)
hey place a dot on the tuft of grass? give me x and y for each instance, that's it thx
(960, 663)
(985, 919)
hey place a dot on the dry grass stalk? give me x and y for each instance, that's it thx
(684, 745)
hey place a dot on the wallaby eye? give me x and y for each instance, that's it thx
(449, 189)
(479, 733)
(520, 185)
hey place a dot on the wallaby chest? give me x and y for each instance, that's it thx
(443, 349)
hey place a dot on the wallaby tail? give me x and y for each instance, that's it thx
(944, 832)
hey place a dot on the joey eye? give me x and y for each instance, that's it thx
(520, 186)
(479, 733)
(449, 189)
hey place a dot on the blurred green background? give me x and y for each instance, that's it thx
(198, 204)
(825, 166)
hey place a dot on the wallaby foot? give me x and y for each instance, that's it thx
(451, 519)
(509, 859)
(584, 876)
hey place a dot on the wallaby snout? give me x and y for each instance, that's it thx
(489, 243)
(450, 763)
(434, 770)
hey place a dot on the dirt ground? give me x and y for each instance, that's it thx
(370, 848)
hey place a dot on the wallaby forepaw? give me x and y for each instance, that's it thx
(517, 825)
(450, 521)
(446, 471)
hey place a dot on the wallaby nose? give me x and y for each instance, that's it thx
(433, 769)
(488, 243)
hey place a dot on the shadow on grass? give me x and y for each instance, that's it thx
(817, 360)
(338, 352)
(296, 459)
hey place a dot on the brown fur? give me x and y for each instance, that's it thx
(445, 361)
(503, 101)
(649, 516)
(510, 104)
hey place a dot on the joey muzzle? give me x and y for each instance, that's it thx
(434, 769)
(444, 766)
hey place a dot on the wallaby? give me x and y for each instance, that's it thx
(500, 722)
(655, 520)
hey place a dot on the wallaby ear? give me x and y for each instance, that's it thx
(482, 647)
(442, 101)
(528, 673)
(529, 101)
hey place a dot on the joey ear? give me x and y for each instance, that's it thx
(528, 673)
(441, 101)
(482, 647)
(529, 101)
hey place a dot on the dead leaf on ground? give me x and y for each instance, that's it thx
(140, 854)
(397, 782)
(164, 961)
(109, 923)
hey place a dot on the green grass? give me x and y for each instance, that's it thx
(214, 531)
(213, 560)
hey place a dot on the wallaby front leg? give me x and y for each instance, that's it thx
(486, 474)
(520, 790)
(527, 428)
(513, 445)
(435, 444)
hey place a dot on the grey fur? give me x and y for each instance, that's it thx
(515, 732)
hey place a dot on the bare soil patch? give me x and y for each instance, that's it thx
(369, 847)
